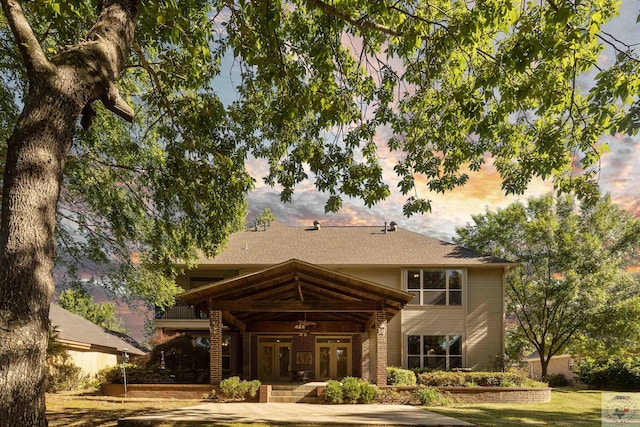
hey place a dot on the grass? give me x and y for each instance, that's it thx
(567, 408)
(71, 409)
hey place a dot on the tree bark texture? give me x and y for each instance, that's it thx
(59, 90)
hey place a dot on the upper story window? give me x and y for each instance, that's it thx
(435, 287)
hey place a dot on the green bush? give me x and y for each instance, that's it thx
(233, 388)
(400, 377)
(615, 374)
(368, 392)
(442, 379)
(137, 375)
(431, 397)
(63, 375)
(351, 389)
(557, 380)
(334, 391)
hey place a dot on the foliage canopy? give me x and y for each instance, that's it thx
(572, 290)
(309, 85)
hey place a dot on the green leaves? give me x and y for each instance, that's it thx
(571, 284)
(333, 93)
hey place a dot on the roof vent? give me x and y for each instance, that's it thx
(316, 225)
(393, 226)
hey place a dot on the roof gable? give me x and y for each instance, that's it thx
(299, 287)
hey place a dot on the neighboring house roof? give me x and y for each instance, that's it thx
(74, 328)
(344, 245)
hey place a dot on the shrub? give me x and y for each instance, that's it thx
(431, 397)
(233, 388)
(251, 388)
(617, 374)
(351, 389)
(137, 375)
(399, 376)
(334, 391)
(368, 392)
(442, 379)
(63, 375)
(557, 380)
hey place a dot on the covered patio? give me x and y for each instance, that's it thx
(295, 322)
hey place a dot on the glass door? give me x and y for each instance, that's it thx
(333, 358)
(274, 359)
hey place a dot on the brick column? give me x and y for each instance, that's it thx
(381, 348)
(365, 356)
(215, 346)
(246, 355)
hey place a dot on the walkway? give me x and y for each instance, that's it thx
(295, 414)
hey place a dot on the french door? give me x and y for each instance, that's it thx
(333, 358)
(274, 359)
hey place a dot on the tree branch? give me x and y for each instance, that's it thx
(360, 23)
(32, 54)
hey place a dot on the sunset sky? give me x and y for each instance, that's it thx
(619, 176)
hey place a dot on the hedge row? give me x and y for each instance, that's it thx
(621, 374)
(476, 379)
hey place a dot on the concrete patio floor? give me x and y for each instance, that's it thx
(295, 414)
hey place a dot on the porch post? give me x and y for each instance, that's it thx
(215, 346)
(246, 355)
(381, 348)
(364, 338)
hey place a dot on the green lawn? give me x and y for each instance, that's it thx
(567, 408)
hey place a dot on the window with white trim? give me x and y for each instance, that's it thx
(434, 351)
(435, 287)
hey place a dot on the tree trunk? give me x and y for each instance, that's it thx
(544, 367)
(37, 150)
(33, 173)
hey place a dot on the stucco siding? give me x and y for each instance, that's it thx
(562, 364)
(390, 277)
(90, 362)
(418, 320)
(485, 324)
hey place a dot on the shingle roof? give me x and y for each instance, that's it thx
(72, 327)
(344, 245)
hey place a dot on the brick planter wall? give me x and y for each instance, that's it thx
(499, 394)
(492, 394)
(162, 391)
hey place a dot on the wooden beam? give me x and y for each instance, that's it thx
(255, 288)
(295, 306)
(234, 321)
(319, 327)
(365, 293)
(371, 322)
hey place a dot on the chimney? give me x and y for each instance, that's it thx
(392, 226)
(316, 225)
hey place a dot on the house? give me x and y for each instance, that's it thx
(322, 302)
(90, 346)
(559, 364)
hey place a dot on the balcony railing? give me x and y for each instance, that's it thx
(180, 311)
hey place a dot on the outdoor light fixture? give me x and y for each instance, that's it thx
(125, 359)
